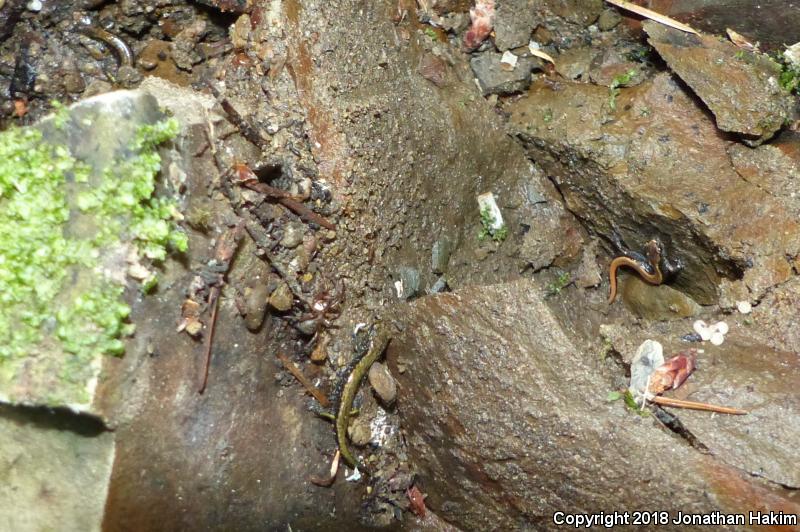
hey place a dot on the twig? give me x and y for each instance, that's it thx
(294, 370)
(247, 178)
(264, 246)
(213, 297)
(680, 403)
(652, 15)
(246, 129)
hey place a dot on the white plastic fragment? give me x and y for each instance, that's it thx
(508, 61)
(355, 477)
(744, 307)
(486, 202)
(536, 50)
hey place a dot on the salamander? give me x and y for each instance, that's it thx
(364, 359)
(653, 266)
(123, 51)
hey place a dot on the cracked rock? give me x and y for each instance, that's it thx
(494, 79)
(740, 87)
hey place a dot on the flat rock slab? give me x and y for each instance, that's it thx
(507, 420)
(514, 22)
(657, 166)
(493, 79)
(55, 467)
(97, 132)
(761, 381)
(741, 88)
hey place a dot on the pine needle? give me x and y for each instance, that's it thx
(652, 15)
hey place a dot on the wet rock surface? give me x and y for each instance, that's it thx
(741, 88)
(373, 117)
(660, 302)
(522, 421)
(514, 21)
(657, 167)
(494, 78)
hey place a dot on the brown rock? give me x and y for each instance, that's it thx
(583, 12)
(588, 273)
(255, 305)
(522, 418)
(359, 431)
(740, 87)
(656, 166)
(281, 299)
(660, 302)
(383, 383)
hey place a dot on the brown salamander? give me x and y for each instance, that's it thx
(653, 266)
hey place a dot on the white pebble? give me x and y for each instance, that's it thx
(34, 5)
(744, 307)
(717, 338)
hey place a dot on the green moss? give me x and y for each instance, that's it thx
(487, 227)
(616, 83)
(563, 280)
(57, 225)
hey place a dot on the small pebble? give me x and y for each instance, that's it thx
(744, 307)
(608, 19)
(255, 306)
(293, 235)
(359, 431)
(281, 299)
(383, 383)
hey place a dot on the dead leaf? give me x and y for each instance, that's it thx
(416, 501)
(673, 372)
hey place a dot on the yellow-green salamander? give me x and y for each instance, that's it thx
(380, 338)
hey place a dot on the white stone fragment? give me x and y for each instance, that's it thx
(487, 201)
(398, 286)
(792, 55)
(508, 61)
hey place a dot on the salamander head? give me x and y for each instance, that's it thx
(654, 251)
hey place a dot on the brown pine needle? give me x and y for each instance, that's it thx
(214, 302)
(680, 403)
(652, 15)
(294, 370)
(328, 482)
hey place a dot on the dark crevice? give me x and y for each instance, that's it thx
(673, 423)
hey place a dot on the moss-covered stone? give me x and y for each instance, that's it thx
(68, 232)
